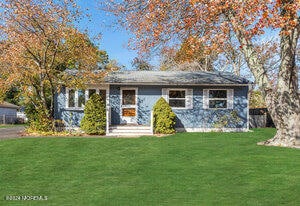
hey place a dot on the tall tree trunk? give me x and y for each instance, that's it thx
(284, 109)
(52, 112)
(283, 101)
(44, 99)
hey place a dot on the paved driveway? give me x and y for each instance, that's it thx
(11, 132)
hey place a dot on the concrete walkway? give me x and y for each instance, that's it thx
(11, 132)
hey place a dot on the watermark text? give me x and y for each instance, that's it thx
(26, 197)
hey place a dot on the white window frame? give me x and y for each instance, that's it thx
(229, 100)
(185, 97)
(86, 94)
(189, 99)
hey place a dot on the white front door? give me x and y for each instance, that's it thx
(128, 105)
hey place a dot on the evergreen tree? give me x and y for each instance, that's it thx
(164, 117)
(94, 119)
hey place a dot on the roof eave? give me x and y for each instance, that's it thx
(9, 107)
(175, 84)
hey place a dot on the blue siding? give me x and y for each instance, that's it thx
(71, 117)
(8, 111)
(114, 102)
(148, 95)
(206, 118)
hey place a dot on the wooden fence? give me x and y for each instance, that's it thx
(260, 117)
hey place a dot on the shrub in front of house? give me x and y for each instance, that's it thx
(164, 118)
(94, 119)
(38, 119)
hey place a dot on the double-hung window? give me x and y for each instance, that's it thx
(81, 98)
(218, 98)
(71, 98)
(91, 92)
(178, 98)
(78, 98)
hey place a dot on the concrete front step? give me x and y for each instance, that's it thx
(128, 130)
(128, 134)
(130, 127)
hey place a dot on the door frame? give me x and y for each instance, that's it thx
(128, 120)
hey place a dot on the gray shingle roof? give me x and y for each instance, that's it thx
(174, 78)
(8, 105)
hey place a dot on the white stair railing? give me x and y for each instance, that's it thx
(151, 122)
(108, 119)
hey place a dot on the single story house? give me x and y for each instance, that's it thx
(202, 101)
(8, 113)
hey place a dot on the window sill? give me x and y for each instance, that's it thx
(179, 108)
(217, 108)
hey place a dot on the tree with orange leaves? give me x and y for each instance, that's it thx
(187, 54)
(38, 42)
(157, 24)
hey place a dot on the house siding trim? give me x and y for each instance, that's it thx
(165, 84)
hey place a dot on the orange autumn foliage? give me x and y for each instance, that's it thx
(158, 24)
(38, 42)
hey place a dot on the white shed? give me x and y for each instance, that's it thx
(8, 113)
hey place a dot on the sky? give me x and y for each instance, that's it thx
(114, 40)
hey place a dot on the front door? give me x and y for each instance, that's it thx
(128, 105)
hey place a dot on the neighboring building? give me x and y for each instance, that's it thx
(8, 113)
(202, 101)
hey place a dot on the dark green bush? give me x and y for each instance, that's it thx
(94, 119)
(38, 119)
(164, 118)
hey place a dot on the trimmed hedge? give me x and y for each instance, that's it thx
(164, 118)
(94, 119)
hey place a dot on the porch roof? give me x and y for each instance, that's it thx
(174, 78)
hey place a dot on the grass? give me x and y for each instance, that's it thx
(183, 169)
(11, 125)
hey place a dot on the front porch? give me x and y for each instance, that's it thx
(130, 129)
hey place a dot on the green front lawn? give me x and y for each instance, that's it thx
(11, 125)
(183, 169)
